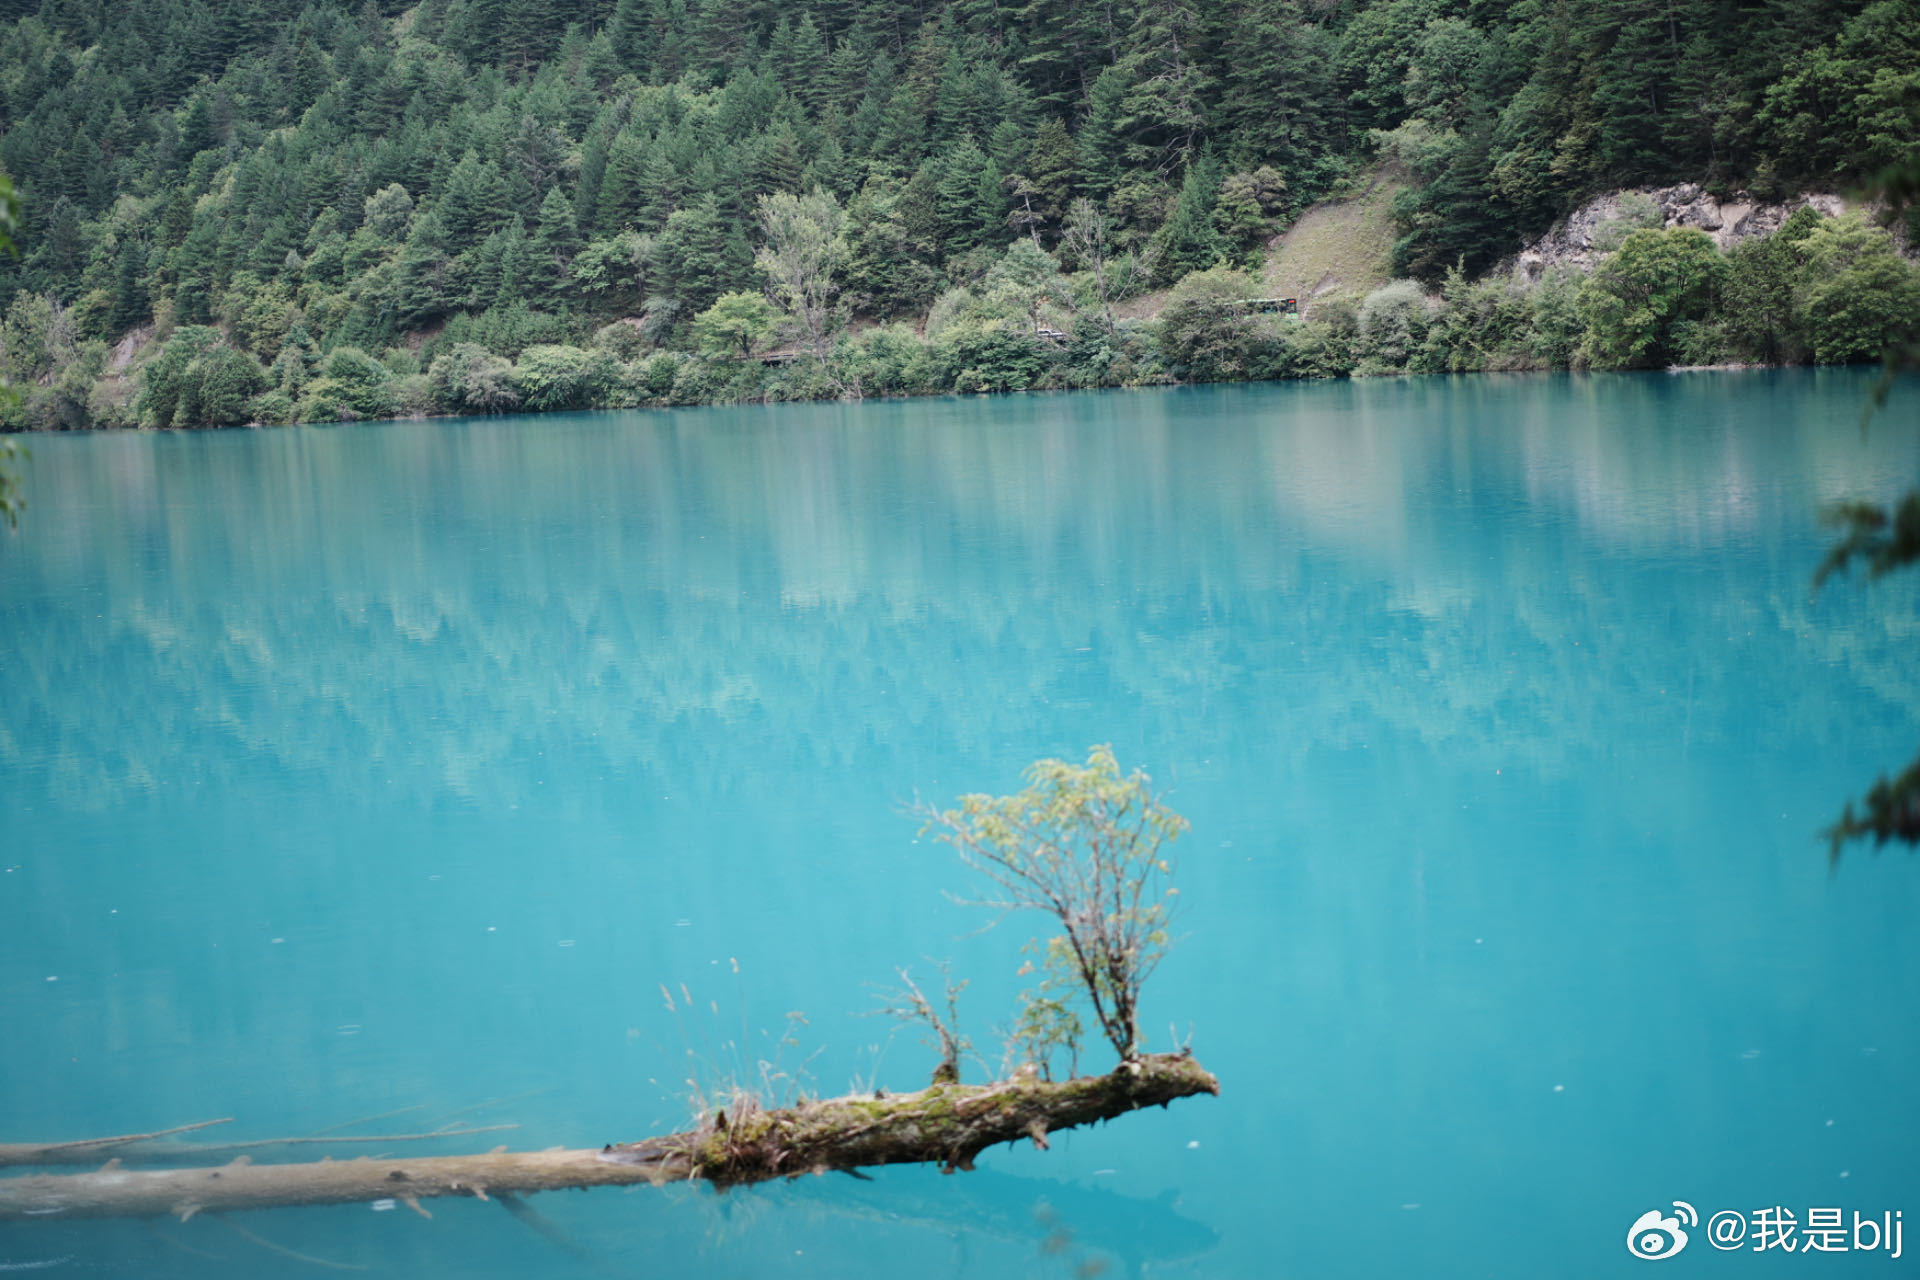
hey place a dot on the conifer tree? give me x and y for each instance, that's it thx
(964, 172)
(626, 187)
(556, 239)
(1189, 241)
(1050, 165)
(631, 35)
(779, 167)
(130, 305)
(1101, 146)
(699, 255)
(422, 289)
(473, 201)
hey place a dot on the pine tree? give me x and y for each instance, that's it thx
(472, 200)
(662, 190)
(964, 171)
(630, 35)
(513, 255)
(600, 66)
(130, 306)
(1633, 90)
(178, 218)
(196, 264)
(1050, 163)
(586, 192)
(626, 187)
(699, 255)
(421, 293)
(832, 169)
(846, 74)
(990, 205)
(719, 37)
(672, 27)
(899, 145)
(196, 127)
(1189, 241)
(1278, 102)
(306, 79)
(1100, 149)
(555, 241)
(779, 167)
(806, 74)
(1165, 101)
(779, 57)
(882, 267)
(1064, 44)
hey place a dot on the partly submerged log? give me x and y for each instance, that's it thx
(152, 1148)
(944, 1124)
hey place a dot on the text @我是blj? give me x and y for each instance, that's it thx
(1659, 1234)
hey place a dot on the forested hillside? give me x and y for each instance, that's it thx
(272, 209)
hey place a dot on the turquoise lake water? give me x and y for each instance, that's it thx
(398, 768)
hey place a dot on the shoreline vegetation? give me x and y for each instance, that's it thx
(1821, 290)
(319, 211)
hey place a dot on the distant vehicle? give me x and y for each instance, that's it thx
(1265, 306)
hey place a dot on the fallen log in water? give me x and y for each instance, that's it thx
(944, 1124)
(151, 1149)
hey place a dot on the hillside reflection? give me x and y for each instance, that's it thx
(417, 611)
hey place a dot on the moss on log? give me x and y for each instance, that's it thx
(944, 1124)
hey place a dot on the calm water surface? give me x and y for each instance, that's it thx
(352, 770)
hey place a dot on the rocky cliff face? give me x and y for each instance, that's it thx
(1596, 228)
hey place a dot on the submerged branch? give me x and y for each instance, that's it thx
(144, 1148)
(945, 1124)
(87, 1149)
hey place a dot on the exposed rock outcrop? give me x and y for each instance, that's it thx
(1592, 231)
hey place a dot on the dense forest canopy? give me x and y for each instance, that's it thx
(283, 186)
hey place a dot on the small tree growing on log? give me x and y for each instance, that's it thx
(1083, 844)
(910, 1004)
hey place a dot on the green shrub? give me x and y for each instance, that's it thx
(470, 379)
(658, 375)
(272, 407)
(1858, 296)
(1759, 301)
(164, 380)
(361, 383)
(622, 339)
(1636, 299)
(413, 396)
(891, 360)
(698, 382)
(198, 381)
(551, 378)
(995, 355)
(1320, 348)
(1205, 335)
(227, 381)
(736, 326)
(1394, 320)
(1556, 325)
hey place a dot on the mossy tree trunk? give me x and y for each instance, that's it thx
(944, 1124)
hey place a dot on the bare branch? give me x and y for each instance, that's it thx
(909, 1004)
